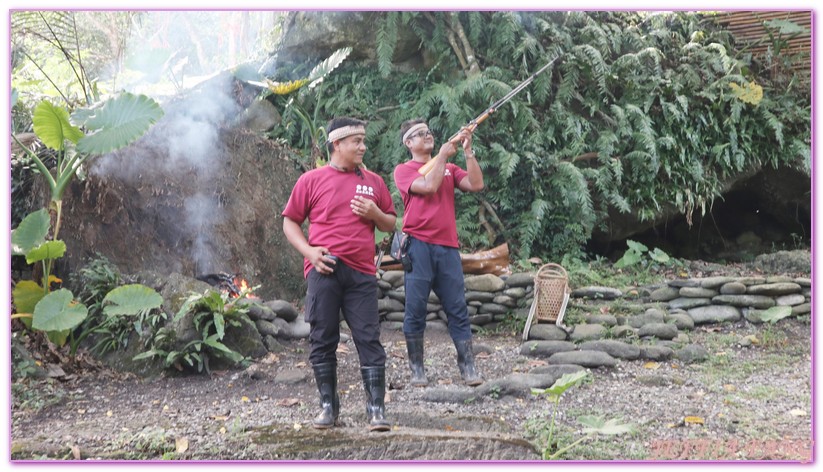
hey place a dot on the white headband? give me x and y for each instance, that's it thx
(414, 128)
(345, 132)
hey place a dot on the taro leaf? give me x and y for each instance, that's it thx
(31, 232)
(774, 314)
(58, 337)
(52, 126)
(324, 68)
(119, 122)
(47, 250)
(562, 384)
(596, 425)
(131, 300)
(25, 295)
(58, 311)
(639, 247)
(630, 258)
(658, 255)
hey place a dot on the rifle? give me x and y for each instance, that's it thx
(427, 167)
(383, 245)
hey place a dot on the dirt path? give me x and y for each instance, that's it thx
(740, 404)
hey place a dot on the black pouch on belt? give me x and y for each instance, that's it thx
(400, 248)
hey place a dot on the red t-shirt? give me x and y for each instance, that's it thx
(324, 196)
(429, 218)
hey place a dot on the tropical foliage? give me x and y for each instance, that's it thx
(102, 127)
(642, 113)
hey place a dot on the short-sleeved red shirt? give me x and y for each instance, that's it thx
(429, 218)
(324, 196)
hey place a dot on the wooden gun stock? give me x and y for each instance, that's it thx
(427, 167)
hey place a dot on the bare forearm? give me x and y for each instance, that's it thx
(294, 234)
(475, 176)
(385, 222)
(430, 183)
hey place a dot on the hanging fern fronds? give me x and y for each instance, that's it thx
(386, 42)
(594, 35)
(637, 116)
(774, 124)
(653, 55)
(532, 227)
(506, 32)
(508, 160)
(593, 58)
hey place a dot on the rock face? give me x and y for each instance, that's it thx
(318, 34)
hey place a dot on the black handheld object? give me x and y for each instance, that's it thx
(334, 258)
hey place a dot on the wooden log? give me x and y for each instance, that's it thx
(493, 261)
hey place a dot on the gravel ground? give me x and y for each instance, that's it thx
(745, 402)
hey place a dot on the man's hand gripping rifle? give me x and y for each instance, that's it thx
(427, 167)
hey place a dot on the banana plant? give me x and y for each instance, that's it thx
(114, 124)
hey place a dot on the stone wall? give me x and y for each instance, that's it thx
(492, 299)
(656, 330)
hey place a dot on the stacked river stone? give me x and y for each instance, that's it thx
(656, 329)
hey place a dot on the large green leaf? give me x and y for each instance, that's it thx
(562, 384)
(52, 126)
(26, 294)
(47, 250)
(119, 122)
(596, 425)
(58, 311)
(131, 300)
(59, 337)
(639, 247)
(658, 255)
(30, 233)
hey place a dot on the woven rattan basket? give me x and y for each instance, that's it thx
(551, 295)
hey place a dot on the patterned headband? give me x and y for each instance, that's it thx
(345, 132)
(413, 129)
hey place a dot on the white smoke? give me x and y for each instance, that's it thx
(184, 146)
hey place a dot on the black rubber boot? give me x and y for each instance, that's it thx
(465, 362)
(326, 377)
(414, 345)
(374, 382)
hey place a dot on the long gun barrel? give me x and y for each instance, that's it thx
(427, 167)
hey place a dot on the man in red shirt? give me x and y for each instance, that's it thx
(343, 202)
(429, 222)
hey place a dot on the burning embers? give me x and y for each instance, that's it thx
(232, 284)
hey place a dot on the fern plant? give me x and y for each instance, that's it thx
(644, 114)
(211, 312)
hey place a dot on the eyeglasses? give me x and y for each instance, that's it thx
(421, 134)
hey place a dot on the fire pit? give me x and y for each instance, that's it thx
(232, 284)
